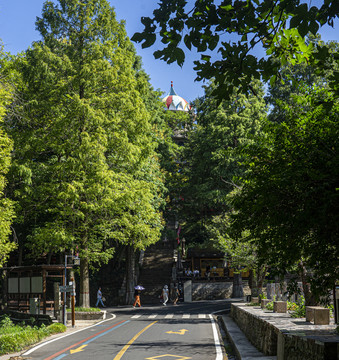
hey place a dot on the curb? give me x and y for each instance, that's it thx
(243, 349)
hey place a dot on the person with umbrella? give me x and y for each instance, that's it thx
(137, 292)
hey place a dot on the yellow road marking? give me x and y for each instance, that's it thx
(178, 357)
(81, 348)
(180, 332)
(124, 349)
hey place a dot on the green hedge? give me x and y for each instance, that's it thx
(83, 309)
(16, 338)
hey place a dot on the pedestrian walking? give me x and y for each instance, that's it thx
(137, 298)
(99, 298)
(176, 295)
(165, 295)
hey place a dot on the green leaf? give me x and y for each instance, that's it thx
(295, 21)
(303, 28)
(226, 7)
(149, 41)
(180, 56)
(313, 27)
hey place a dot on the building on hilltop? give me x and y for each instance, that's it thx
(175, 102)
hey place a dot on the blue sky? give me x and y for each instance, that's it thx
(17, 31)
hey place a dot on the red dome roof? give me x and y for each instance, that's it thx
(175, 102)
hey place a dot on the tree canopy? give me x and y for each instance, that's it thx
(85, 138)
(211, 158)
(289, 200)
(227, 32)
(6, 146)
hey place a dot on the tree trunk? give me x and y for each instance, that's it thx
(84, 283)
(130, 274)
(49, 257)
(238, 291)
(251, 280)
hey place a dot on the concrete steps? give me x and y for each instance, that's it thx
(156, 272)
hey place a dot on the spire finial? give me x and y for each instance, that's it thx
(171, 83)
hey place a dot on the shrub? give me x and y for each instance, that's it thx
(85, 309)
(269, 306)
(15, 338)
(291, 306)
(262, 296)
(5, 321)
(331, 307)
(300, 309)
(56, 328)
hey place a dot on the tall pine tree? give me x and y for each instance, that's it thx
(6, 205)
(86, 138)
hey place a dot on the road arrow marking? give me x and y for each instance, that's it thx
(81, 348)
(180, 332)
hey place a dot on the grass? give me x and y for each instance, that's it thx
(17, 337)
(83, 309)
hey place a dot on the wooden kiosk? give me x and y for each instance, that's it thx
(22, 283)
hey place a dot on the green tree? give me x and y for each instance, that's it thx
(6, 146)
(295, 79)
(233, 29)
(86, 138)
(212, 158)
(289, 200)
(212, 162)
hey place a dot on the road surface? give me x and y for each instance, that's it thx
(186, 331)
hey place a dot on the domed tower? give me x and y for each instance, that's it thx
(175, 102)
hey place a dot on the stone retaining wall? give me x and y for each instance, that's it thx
(261, 334)
(86, 315)
(299, 348)
(288, 338)
(215, 290)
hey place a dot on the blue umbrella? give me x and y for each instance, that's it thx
(139, 287)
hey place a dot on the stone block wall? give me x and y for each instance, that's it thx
(214, 290)
(263, 335)
(279, 339)
(292, 347)
(84, 315)
(211, 290)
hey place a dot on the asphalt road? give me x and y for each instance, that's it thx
(186, 331)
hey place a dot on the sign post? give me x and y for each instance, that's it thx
(69, 288)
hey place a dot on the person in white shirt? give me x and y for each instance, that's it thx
(165, 294)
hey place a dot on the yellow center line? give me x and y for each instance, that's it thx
(124, 349)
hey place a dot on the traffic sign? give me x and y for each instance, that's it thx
(67, 288)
